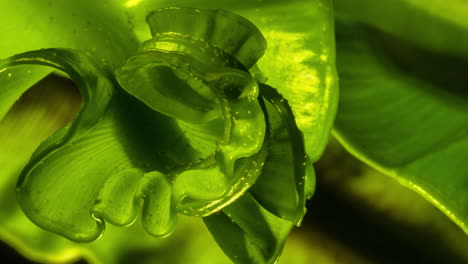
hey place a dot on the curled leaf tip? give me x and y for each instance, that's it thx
(183, 74)
(218, 29)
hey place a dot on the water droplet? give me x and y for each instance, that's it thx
(9, 74)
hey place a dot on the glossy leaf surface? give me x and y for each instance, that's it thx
(403, 109)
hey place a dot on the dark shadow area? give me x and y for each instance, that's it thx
(153, 141)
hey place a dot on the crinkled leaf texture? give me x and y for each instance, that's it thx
(111, 151)
(403, 104)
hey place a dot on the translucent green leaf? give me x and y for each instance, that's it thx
(190, 243)
(258, 222)
(286, 171)
(197, 81)
(300, 63)
(160, 54)
(299, 60)
(50, 105)
(117, 201)
(96, 93)
(15, 81)
(224, 30)
(159, 211)
(68, 185)
(59, 191)
(149, 77)
(101, 28)
(402, 112)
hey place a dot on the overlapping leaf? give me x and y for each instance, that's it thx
(403, 106)
(259, 222)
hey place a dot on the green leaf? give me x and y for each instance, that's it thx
(168, 52)
(190, 243)
(60, 190)
(15, 81)
(69, 184)
(259, 222)
(96, 93)
(191, 77)
(300, 63)
(159, 211)
(229, 32)
(402, 112)
(255, 235)
(49, 106)
(101, 28)
(286, 157)
(299, 60)
(446, 34)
